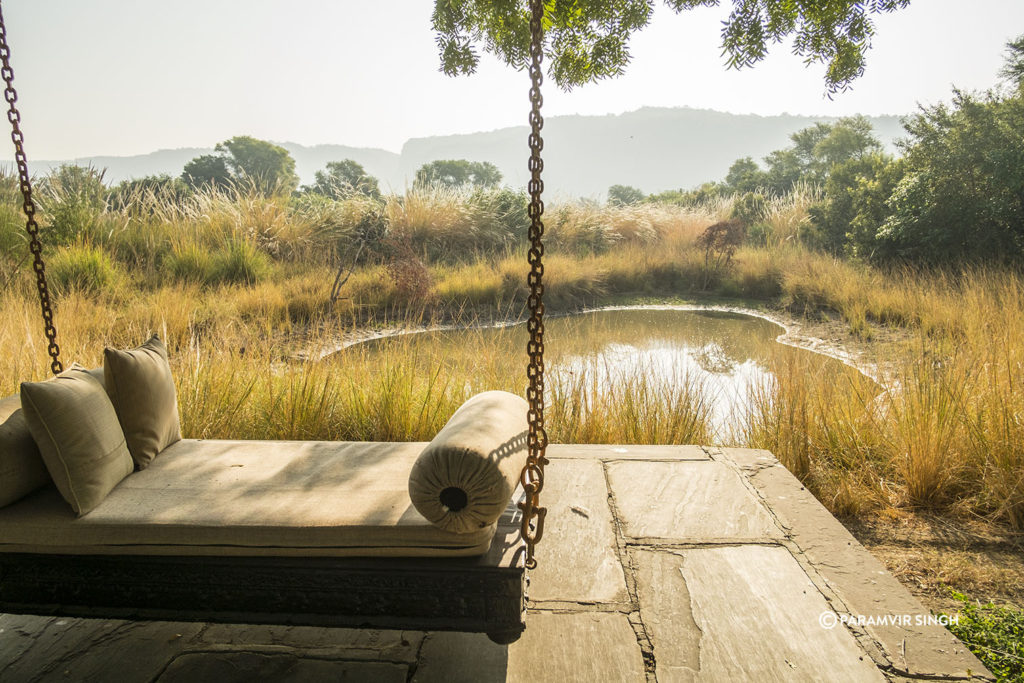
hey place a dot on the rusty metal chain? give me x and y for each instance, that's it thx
(29, 206)
(532, 477)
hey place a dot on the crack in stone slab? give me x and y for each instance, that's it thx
(870, 646)
(669, 543)
(639, 628)
(581, 606)
(844, 572)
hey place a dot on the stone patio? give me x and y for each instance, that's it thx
(659, 563)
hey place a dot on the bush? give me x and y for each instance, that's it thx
(502, 217)
(147, 195)
(453, 225)
(239, 262)
(411, 277)
(82, 267)
(73, 197)
(855, 205)
(752, 210)
(579, 228)
(720, 242)
(190, 263)
(962, 197)
(994, 634)
(705, 195)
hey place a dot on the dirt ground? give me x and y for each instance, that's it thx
(931, 554)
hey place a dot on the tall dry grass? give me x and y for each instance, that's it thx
(946, 431)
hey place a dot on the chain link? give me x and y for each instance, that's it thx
(29, 206)
(532, 477)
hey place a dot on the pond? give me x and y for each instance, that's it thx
(721, 356)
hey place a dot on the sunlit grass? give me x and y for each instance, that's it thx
(945, 432)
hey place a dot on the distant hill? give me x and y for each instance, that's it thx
(654, 149)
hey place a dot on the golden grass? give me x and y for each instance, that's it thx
(945, 433)
(947, 430)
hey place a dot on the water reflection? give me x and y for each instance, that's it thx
(724, 354)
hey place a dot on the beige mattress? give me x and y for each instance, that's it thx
(279, 498)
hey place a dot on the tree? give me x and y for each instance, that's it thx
(457, 173)
(1013, 69)
(588, 40)
(207, 171)
(962, 197)
(851, 137)
(745, 176)
(269, 168)
(623, 195)
(342, 179)
(856, 204)
(785, 170)
(815, 151)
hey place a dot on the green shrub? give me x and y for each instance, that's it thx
(962, 197)
(751, 208)
(82, 267)
(501, 217)
(190, 263)
(855, 205)
(147, 195)
(357, 224)
(994, 634)
(73, 198)
(239, 262)
(236, 262)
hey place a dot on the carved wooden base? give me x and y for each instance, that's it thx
(450, 594)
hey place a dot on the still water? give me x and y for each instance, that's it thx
(724, 355)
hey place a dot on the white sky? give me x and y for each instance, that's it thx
(120, 77)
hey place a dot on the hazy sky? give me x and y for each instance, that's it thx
(119, 77)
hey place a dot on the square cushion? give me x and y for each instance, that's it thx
(141, 387)
(21, 467)
(76, 429)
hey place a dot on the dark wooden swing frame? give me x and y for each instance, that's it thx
(485, 594)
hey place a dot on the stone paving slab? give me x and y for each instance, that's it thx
(741, 613)
(556, 647)
(859, 584)
(62, 649)
(246, 667)
(340, 643)
(59, 649)
(693, 502)
(578, 559)
(712, 566)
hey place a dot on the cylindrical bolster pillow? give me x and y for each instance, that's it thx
(464, 478)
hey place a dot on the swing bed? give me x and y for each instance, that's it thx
(434, 536)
